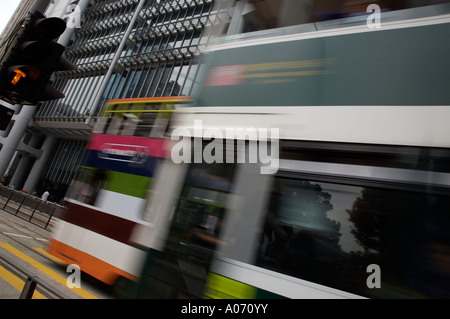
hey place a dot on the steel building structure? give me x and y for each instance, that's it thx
(129, 49)
(122, 49)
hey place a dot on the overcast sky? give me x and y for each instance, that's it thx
(7, 8)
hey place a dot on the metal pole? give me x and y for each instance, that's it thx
(28, 289)
(115, 60)
(40, 5)
(8, 200)
(51, 215)
(34, 210)
(20, 206)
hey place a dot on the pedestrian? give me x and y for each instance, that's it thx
(6, 179)
(45, 195)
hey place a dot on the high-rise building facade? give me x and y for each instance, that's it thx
(122, 49)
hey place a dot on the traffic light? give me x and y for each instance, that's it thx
(30, 60)
(5, 117)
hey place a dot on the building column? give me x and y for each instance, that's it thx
(73, 13)
(12, 141)
(28, 150)
(39, 164)
(294, 12)
(21, 171)
(237, 20)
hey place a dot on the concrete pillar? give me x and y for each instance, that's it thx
(14, 137)
(39, 164)
(73, 13)
(21, 171)
(237, 20)
(40, 5)
(294, 12)
(30, 150)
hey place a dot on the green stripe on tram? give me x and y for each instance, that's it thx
(220, 287)
(127, 184)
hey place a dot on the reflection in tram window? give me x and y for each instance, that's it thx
(87, 184)
(202, 204)
(329, 234)
(182, 269)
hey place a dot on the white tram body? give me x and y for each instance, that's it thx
(363, 177)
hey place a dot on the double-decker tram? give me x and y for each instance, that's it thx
(107, 197)
(314, 162)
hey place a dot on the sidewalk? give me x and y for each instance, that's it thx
(26, 226)
(29, 208)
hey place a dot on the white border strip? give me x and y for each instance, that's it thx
(334, 32)
(370, 124)
(372, 173)
(277, 283)
(111, 251)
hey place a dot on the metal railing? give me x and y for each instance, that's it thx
(31, 208)
(32, 281)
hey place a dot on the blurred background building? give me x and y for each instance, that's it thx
(132, 49)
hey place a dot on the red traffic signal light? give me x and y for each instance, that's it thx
(20, 74)
(29, 62)
(17, 75)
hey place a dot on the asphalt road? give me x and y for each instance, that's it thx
(23, 253)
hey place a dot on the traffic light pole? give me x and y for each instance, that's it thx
(39, 165)
(22, 118)
(31, 56)
(40, 5)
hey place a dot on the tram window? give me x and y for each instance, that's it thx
(145, 124)
(87, 185)
(202, 204)
(114, 126)
(329, 233)
(182, 269)
(100, 125)
(407, 157)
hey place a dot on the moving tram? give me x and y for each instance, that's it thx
(313, 162)
(355, 202)
(106, 198)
